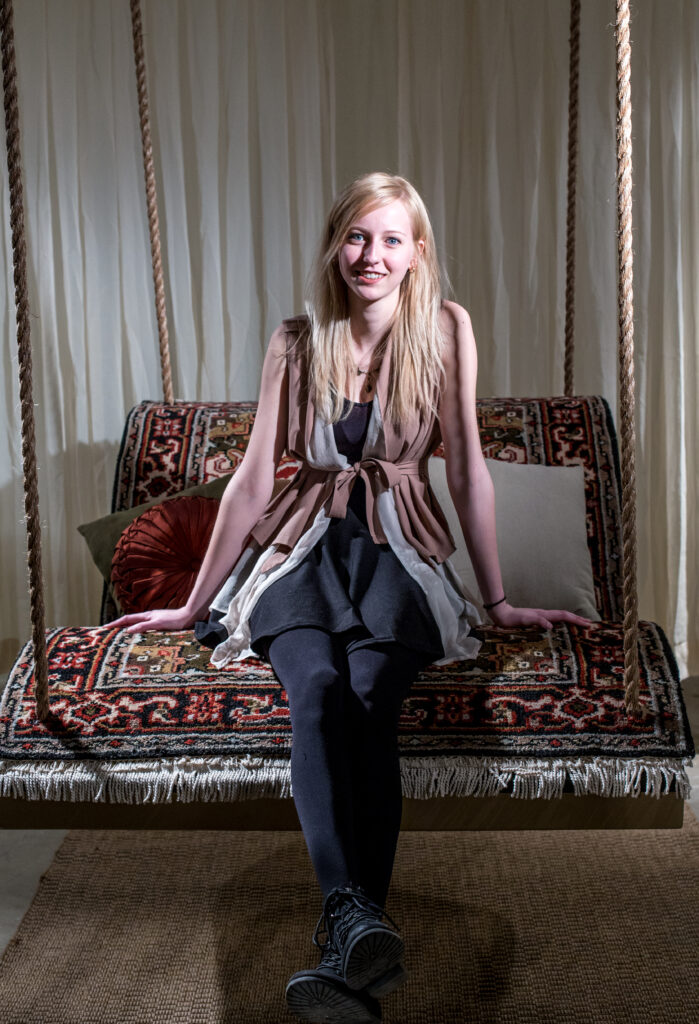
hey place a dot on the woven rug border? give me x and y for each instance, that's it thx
(669, 737)
(210, 779)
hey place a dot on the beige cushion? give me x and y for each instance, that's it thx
(542, 535)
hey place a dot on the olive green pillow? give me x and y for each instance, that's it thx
(102, 535)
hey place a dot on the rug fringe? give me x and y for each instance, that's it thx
(206, 779)
(544, 779)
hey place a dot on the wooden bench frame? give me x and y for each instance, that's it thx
(460, 814)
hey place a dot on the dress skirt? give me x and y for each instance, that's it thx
(345, 582)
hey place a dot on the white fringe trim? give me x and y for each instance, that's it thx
(543, 779)
(187, 779)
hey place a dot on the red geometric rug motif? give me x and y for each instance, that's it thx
(116, 695)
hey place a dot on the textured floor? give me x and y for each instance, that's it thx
(25, 855)
(500, 927)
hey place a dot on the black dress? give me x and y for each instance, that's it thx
(345, 582)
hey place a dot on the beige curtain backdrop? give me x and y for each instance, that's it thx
(261, 110)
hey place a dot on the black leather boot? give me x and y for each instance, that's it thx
(322, 995)
(371, 953)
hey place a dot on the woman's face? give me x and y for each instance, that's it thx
(377, 252)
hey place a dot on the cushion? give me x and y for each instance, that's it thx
(102, 535)
(542, 535)
(159, 554)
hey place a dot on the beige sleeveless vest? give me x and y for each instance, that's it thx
(401, 508)
(395, 460)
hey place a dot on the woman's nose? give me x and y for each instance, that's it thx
(370, 252)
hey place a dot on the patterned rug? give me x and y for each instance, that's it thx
(538, 712)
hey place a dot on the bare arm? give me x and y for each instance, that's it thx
(244, 500)
(468, 479)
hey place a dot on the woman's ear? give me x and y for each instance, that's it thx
(419, 246)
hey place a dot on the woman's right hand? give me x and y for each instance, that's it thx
(159, 618)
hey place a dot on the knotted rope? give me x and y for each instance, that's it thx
(626, 349)
(152, 201)
(573, 79)
(19, 260)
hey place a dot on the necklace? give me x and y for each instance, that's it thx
(371, 373)
(370, 377)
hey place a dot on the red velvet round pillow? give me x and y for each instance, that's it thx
(159, 554)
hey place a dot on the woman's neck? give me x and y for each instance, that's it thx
(369, 324)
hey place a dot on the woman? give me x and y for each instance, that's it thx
(342, 581)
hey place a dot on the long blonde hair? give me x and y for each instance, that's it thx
(416, 367)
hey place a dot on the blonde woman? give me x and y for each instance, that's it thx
(342, 580)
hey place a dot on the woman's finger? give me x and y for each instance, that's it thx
(565, 616)
(125, 620)
(540, 618)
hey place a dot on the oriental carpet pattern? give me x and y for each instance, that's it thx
(117, 695)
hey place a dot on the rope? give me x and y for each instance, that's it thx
(573, 79)
(152, 201)
(626, 348)
(19, 259)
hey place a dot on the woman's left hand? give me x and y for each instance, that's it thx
(505, 615)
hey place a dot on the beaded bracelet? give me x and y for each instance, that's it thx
(493, 603)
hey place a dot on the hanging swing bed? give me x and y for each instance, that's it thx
(573, 728)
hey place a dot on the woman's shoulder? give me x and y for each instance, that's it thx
(459, 344)
(294, 331)
(294, 324)
(451, 317)
(289, 339)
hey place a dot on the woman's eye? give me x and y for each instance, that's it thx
(393, 241)
(355, 236)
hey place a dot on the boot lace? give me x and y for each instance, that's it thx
(331, 957)
(344, 907)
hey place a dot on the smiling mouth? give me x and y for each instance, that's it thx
(370, 275)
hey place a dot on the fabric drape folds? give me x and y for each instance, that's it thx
(395, 460)
(260, 112)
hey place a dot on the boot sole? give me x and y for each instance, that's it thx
(319, 1001)
(388, 982)
(373, 961)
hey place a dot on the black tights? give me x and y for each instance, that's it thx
(345, 771)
